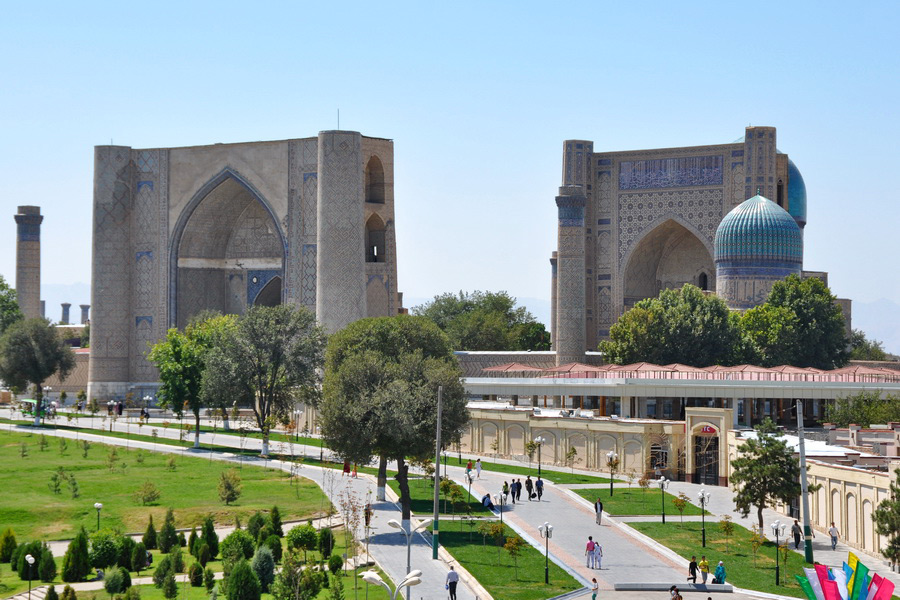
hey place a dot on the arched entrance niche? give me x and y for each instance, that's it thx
(375, 181)
(667, 257)
(227, 251)
(375, 240)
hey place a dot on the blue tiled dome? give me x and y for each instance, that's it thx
(796, 194)
(759, 233)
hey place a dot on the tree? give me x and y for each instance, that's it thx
(76, 562)
(255, 523)
(303, 537)
(243, 584)
(210, 537)
(51, 593)
(147, 493)
(680, 502)
(149, 538)
(485, 321)
(727, 527)
(238, 543)
(800, 324)
(263, 564)
(294, 582)
(9, 306)
(229, 486)
(104, 550)
(209, 579)
(268, 360)
(168, 536)
(273, 543)
(47, 567)
(765, 473)
(169, 587)
(68, 593)
(275, 520)
(28, 572)
(7, 545)
(862, 348)
(514, 546)
(382, 378)
(337, 588)
(125, 546)
(113, 583)
(571, 454)
(163, 570)
(195, 574)
(30, 352)
(181, 360)
(887, 520)
(679, 326)
(757, 539)
(139, 558)
(326, 542)
(863, 409)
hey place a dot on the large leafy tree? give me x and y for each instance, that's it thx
(380, 393)
(862, 348)
(681, 325)
(30, 352)
(181, 361)
(863, 409)
(9, 306)
(268, 360)
(485, 321)
(800, 324)
(765, 473)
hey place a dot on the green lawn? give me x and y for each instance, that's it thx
(421, 494)
(629, 502)
(498, 573)
(35, 512)
(553, 475)
(739, 563)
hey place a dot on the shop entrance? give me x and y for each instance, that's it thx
(706, 459)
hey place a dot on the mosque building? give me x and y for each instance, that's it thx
(728, 218)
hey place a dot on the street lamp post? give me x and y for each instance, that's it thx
(99, 507)
(539, 440)
(612, 461)
(546, 532)
(409, 537)
(663, 484)
(500, 499)
(30, 560)
(703, 496)
(412, 578)
(778, 530)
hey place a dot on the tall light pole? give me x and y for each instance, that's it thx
(412, 578)
(435, 535)
(30, 560)
(612, 461)
(804, 491)
(539, 440)
(777, 529)
(663, 484)
(409, 537)
(703, 496)
(99, 507)
(500, 500)
(546, 532)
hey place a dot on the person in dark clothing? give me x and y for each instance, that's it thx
(519, 490)
(797, 532)
(539, 488)
(598, 510)
(486, 502)
(529, 487)
(692, 570)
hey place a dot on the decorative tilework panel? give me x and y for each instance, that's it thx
(257, 280)
(671, 172)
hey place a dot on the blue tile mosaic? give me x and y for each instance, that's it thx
(671, 172)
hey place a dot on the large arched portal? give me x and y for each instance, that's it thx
(230, 254)
(667, 257)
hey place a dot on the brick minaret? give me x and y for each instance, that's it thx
(28, 260)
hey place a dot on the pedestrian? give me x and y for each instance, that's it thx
(720, 573)
(368, 514)
(834, 533)
(529, 487)
(468, 468)
(598, 510)
(589, 553)
(512, 490)
(354, 475)
(595, 587)
(598, 554)
(346, 470)
(519, 490)
(486, 502)
(452, 580)
(539, 488)
(478, 468)
(704, 568)
(796, 532)
(692, 570)
(505, 490)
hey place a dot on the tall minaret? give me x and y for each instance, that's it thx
(570, 273)
(28, 260)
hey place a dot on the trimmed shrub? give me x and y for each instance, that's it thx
(274, 545)
(139, 558)
(243, 583)
(47, 569)
(76, 562)
(163, 570)
(51, 593)
(195, 574)
(7, 545)
(326, 542)
(168, 537)
(149, 538)
(68, 594)
(275, 521)
(126, 548)
(192, 543)
(169, 587)
(240, 539)
(177, 559)
(209, 579)
(203, 555)
(181, 539)
(113, 583)
(255, 523)
(335, 563)
(210, 537)
(264, 566)
(133, 593)
(104, 549)
(25, 570)
(126, 578)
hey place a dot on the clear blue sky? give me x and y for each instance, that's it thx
(478, 98)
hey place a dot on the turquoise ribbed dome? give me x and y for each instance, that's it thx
(796, 194)
(758, 233)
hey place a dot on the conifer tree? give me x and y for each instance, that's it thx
(209, 536)
(149, 538)
(76, 562)
(168, 536)
(887, 521)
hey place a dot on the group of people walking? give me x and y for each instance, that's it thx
(719, 574)
(534, 489)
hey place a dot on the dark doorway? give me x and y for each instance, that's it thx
(706, 460)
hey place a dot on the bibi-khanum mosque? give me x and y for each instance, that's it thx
(310, 222)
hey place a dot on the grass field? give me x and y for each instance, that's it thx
(498, 574)
(630, 502)
(554, 475)
(742, 570)
(421, 494)
(35, 512)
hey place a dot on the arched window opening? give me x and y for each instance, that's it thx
(703, 282)
(780, 193)
(375, 246)
(659, 457)
(375, 181)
